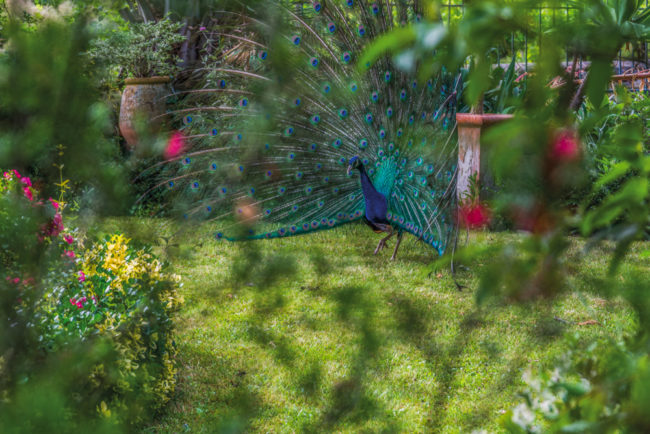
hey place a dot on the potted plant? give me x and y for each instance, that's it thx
(144, 55)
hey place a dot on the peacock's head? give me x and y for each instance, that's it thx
(354, 163)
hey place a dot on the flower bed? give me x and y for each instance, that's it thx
(122, 294)
(102, 292)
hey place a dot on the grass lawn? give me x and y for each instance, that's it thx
(314, 333)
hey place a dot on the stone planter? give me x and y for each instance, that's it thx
(470, 127)
(143, 100)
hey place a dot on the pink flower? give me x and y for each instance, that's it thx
(79, 305)
(53, 228)
(6, 175)
(69, 254)
(26, 181)
(202, 28)
(82, 276)
(16, 280)
(73, 301)
(68, 239)
(16, 174)
(56, 227)
(565, 147)
(175, 145)
(54, 203)
(475, 215)
(28, 193)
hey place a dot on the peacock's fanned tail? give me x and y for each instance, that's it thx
(268, 140)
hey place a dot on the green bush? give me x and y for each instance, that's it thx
(108, 303)
(120, 294)
(140, 50)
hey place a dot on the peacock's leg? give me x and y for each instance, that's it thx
(399, 240)
(382, 242)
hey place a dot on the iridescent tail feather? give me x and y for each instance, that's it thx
(268, 143)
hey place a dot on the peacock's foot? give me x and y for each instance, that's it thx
(380, 246)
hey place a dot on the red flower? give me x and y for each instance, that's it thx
(565, 147)
(73, 301)
(475, 215)
(26, 181)
(28, 193)
(68, 239)
(17, 174)
(54, 203)
(82, 276)
(54, 228)
(69, 254)
(175, 145)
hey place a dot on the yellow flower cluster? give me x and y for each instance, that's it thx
(116, 263)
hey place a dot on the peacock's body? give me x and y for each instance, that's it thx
(272, 141)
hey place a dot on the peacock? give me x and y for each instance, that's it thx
(290, 135)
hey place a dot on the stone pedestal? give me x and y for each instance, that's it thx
(470, 127)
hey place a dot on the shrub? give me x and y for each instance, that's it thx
(121, 294)
(142, 50)
(108, 303)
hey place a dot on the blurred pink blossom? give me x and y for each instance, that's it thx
(475, 215)
(28, 193)
(69, 253)
(175, 145)
(82, 276)
(26, 181)
(565, 147)
(68, 239)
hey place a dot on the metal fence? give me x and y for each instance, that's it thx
(524, 46)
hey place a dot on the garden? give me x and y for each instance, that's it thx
(324, 216)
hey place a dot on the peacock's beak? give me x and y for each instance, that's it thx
(349, 170)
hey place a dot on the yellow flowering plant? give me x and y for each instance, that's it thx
(123, 295)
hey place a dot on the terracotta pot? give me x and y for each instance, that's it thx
(470, 127)
(142, 99)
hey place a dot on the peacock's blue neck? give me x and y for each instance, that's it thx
(369, 190)
(375, 202)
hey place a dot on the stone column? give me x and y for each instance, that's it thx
(470, 127)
